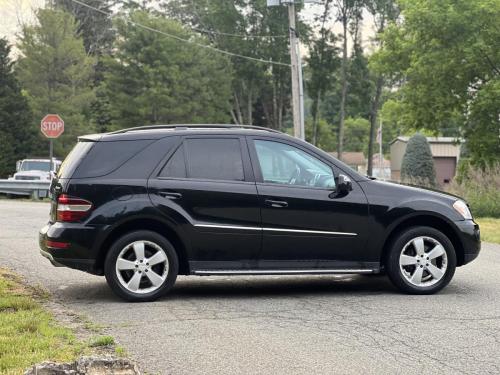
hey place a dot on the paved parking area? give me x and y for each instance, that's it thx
(280, 325)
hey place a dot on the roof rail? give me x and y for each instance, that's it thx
(194, 126)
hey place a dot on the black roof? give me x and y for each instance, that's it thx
(160, 131)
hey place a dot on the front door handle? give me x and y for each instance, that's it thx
(170, 194)
(276, 204)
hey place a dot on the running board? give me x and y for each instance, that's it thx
(283, 272)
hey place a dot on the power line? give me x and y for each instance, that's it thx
(182, 39)
(243, 36)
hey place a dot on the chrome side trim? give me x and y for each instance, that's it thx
(282, 272)
(227, 227)
(274, 229)
(308, 231)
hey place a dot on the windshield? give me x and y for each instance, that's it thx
(31, 165)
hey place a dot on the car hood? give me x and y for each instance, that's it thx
(415, 190)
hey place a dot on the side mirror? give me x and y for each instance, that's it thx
(343, 185)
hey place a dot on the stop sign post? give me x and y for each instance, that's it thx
(52, 126)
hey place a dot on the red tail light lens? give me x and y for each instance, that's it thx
(71, 208)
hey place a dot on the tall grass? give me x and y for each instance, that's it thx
(480, 188)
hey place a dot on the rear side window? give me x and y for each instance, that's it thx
(105, 157)
(176, 166)
(214, 159)
(73, 159)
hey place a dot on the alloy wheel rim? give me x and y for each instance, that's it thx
(142, 267)
(423, 261)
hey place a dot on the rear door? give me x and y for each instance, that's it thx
(207, 187)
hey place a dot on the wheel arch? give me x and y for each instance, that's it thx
(143, 223)
(427, 220)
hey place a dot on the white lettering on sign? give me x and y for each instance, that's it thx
(51, 125)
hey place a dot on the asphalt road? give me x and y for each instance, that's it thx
(280, 325)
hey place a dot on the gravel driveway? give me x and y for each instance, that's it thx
(280, 325)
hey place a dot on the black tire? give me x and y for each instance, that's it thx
(395, 272)
(112, 257)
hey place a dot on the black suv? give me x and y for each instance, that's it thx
(143, 205)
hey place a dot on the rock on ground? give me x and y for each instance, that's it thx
(86, 366)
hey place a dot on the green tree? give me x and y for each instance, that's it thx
(360, 84)
(56, 73)
(356, 134)
(155, 79)
(383, 12)
(418, 165)
(348, 11)
(326, 136)
(322, 64)
(260, 91)
(445, 56)
(16, 128)
(96, 28)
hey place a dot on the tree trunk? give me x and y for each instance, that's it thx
(373, 122)
(239, 116)
(249, 106)
(233, 116)
(340, 141)
(316, 118)
(275, 108)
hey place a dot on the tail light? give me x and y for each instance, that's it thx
(72, 208)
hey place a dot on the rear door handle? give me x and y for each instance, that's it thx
(170, 194)
(276, 204)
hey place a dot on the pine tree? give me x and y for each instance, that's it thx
(418, 166)
(57, 75)
(152, 79)
(16, 130)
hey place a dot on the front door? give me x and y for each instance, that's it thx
(305, 224)
(207, 187)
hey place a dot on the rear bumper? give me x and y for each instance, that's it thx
(80, 252)
(470, 238)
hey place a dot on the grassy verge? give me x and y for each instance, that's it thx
(490, 229)
(29, 333)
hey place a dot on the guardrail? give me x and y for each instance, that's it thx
(34, 188)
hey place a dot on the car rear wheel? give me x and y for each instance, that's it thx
(141, 266)
(421, 260)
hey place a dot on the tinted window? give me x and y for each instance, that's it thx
(105, 157)
(176, 165)
(214, 159)
(71, 162)
(288, 165)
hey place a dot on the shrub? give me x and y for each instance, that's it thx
(417, 167)
(480, 188)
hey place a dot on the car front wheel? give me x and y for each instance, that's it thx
(421, 260)
(141, 266)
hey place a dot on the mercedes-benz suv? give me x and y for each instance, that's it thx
(142, 205)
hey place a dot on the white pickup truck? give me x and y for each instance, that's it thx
(31, 170)
(35, 169)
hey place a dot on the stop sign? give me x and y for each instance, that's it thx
(52, 126)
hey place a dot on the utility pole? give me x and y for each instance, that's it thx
(381, 158)
(301, 95)
(297, 131)
(296, 66)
